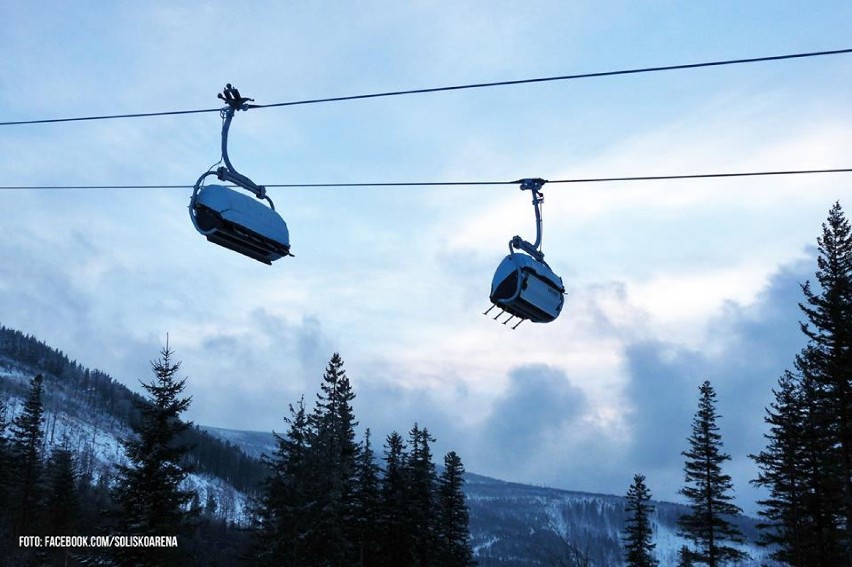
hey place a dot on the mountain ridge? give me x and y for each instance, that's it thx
(517, 524)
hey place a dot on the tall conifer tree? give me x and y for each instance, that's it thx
(784, 466)
(335, 454)
(806, 464)
(638, 534)
(286, 512)
(828, 361)
(708, 489)
(453, 530)
(421, 485)
(63, 498)
(149, 488)
(5, 480)
(27, 465)
(397, 545)
(367, 504)
(63, 507)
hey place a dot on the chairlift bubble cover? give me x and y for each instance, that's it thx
(527, 289)
(241, 223)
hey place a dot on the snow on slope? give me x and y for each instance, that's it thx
(253, 443)
(96, 440)
(515, 524)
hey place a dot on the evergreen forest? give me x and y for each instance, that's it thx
(321, 498)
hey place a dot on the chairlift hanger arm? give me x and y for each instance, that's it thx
(228, 173)
(533, 249)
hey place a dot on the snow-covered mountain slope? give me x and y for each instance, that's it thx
(92, 421)
(516, 524)
(252, 443)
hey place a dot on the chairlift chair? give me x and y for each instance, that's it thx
(524, 286)
(231, 218)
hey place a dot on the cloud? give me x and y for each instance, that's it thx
(539, 405)
(537, 427)
(266, 364)
(539, 401)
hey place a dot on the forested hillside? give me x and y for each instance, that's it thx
(73, 391)
(127, 464)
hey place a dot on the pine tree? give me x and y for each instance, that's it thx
(788, 522)
(149, 488)
(5, 485)
(27, 462)
(367, 503)
(397, 545)
(638, 533)
(421, 481)
(821, 507)
(334, 453)
(5, 455)
(453, 531)
(63, 507)
(806, 464)
(285, 511)
(708, 489)
(63, 498)
(684, 557)
(828, 359)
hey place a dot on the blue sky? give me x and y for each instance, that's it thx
(668, 283)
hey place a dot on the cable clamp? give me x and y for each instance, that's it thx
(532, 184)
(231, 96)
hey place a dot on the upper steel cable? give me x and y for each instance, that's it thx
(451, 88)
(461, 183)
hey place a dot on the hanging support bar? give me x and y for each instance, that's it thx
(228, 173)
(533, 249)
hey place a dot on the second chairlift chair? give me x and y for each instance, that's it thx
(524, 286)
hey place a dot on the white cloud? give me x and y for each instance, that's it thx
(684, 301)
